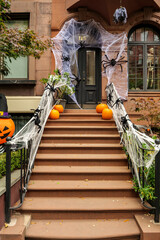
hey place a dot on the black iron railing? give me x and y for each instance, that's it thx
(27, 141)
(157, 186)
(24, 175)
(142, 151)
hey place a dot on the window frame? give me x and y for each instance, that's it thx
(19, 16)
(145, 44)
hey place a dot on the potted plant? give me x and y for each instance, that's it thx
(62, 83)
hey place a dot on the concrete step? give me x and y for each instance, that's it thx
(85, 188)
(81, 173)
(119, 229)
(81, 115)
(80, 110)
(83, 148)
(80, 122)
(79, 138)
(81, 159)
(81, 208)
(102, 130)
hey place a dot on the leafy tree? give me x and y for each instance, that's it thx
(149, 110)
(15, 43)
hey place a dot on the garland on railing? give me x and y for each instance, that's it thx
(132, 139)
(27, 140)
(30, 135)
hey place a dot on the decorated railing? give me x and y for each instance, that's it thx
(27, 141)
(143, 152)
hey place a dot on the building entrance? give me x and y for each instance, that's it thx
(88, 92)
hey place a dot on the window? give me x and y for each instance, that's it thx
(144, 58)
(19, 67)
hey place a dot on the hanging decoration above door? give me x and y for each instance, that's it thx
(75, 35)
(120, 15)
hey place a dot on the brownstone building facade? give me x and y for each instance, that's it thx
(47, 17)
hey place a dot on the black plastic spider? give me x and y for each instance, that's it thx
(124, 122)
(75, 80)
(113, 62)
(65, 58)
(118, 102)
(36, 119)
(110, 98)
(82, 44)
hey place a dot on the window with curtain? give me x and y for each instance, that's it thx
(19, 67)
(144, 58)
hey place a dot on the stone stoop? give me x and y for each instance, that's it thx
(81, 186)
(16, 229)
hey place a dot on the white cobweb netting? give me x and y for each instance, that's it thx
(132, 139)
(75, 35)
(33, 132)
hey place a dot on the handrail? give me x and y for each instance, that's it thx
(142, 149)
(27, 141)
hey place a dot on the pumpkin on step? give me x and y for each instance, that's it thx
(59, 108)
(100, 107)
(54, 114)
(107, 114)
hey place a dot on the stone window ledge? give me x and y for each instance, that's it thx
(18, 81)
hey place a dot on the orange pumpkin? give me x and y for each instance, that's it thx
(59, 108)
(7, 129)
(54, 114)
(100, 107)
(107, 114)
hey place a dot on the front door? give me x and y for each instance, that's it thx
(88, 92)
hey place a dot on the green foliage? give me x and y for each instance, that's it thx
(149, 108)
(15, 162)
(62, 81)
(148, 191)
(15, 43)
(4, 9)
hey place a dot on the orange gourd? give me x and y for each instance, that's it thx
(59, 108)
(100, 107)
(107, 114)
(54, 114)
(7, 129)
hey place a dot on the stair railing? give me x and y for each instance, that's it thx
(27, 141)
(141, 149)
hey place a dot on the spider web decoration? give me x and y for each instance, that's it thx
(131, 138)
(75, 35)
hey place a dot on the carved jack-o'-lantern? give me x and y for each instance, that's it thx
(7, 129)
(7, 126)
